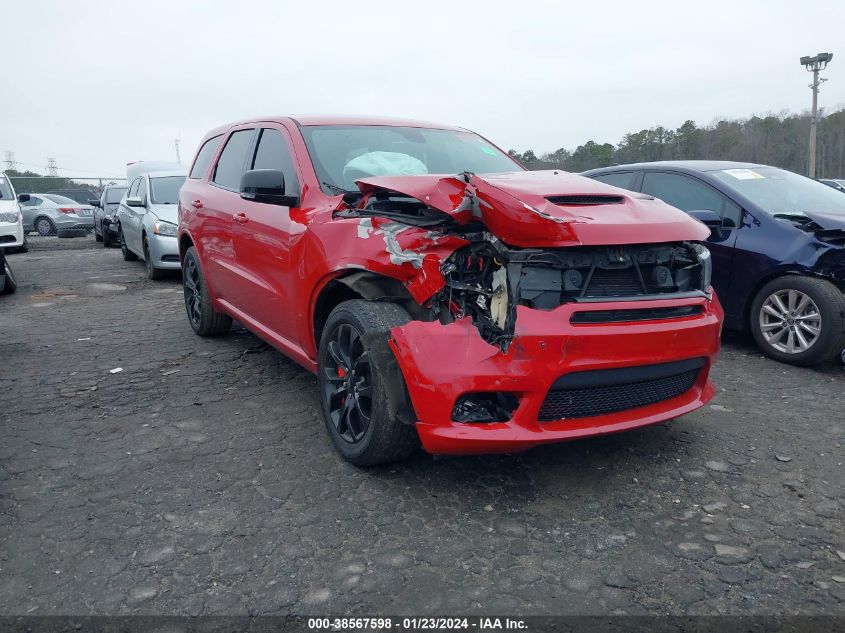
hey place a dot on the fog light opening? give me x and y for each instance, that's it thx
(485, 407)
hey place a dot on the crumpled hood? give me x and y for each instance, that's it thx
(166, 212)
(827, 220)
(546, 208)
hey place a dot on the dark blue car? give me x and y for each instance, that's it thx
(778, 246)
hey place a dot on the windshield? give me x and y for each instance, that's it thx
(165, 190)
(781, 192)
(343, 154)
(115, 194)
(5, 189)
(60, 199)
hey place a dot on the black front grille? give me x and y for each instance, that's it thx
(633, 314)
(622, 282)
(591, 393)
(170, 258)
(7, 238)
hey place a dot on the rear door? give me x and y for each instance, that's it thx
(124, 213)
(220, 202)
(688, 193)
(134, 219)
(263, 234)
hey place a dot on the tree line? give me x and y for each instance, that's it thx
(32, 182)
(781, 140)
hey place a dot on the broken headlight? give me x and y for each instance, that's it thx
(703, 255)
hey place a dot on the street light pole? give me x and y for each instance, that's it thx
(814, 65)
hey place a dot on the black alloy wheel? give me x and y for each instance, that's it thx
(348, 388)
(193, 293)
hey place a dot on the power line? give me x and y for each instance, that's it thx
(11, 164)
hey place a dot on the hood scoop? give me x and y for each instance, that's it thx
(584, 200)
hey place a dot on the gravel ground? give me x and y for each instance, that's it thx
(198, 479)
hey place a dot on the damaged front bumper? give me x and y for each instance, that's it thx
(569, 372)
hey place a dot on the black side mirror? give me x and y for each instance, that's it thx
(267, 186)
(710, 219)
(23, 197)
(94, 203)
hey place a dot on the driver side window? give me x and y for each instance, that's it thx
(688, 194)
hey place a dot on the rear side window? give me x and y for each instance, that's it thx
(204, 156)
(622, 179)
(232, 162)
(682, 191)
(273, 153)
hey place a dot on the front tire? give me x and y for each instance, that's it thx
(799, 320)
(128, 256)
(152, 272)
(204, 319)
(353, 392)
(10, 284)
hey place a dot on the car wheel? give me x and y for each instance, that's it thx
(204, 319)
(128, 256)
(10, 284)
(152, 272)
(44, 226)
(799, 320)
(353, 390)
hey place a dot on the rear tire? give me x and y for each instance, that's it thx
(153, 273)
(128, 256)
(204, 319)
(354, 397)
(817, 318)
(44, 226)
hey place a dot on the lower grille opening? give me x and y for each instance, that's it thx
(493, 406)
(636, 314)
(170, 258)
(7, 238)
(591, 393)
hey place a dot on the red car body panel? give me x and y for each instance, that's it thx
(266, 266)
(516, 208)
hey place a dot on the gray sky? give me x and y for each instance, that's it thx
(98, 84)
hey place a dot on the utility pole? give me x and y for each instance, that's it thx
(814, 65)
(52, 168)
(11, 163)
(176, 145)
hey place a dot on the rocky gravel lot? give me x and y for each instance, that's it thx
(198, 479)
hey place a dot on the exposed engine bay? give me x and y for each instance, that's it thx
(487, 279)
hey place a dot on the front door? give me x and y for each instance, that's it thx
(690, 194)
(262, 236)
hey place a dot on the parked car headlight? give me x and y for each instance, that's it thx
(703, 254)
(164, 228)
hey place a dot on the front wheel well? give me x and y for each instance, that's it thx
(361, 284)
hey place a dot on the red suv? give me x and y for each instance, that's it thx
(441, 293)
